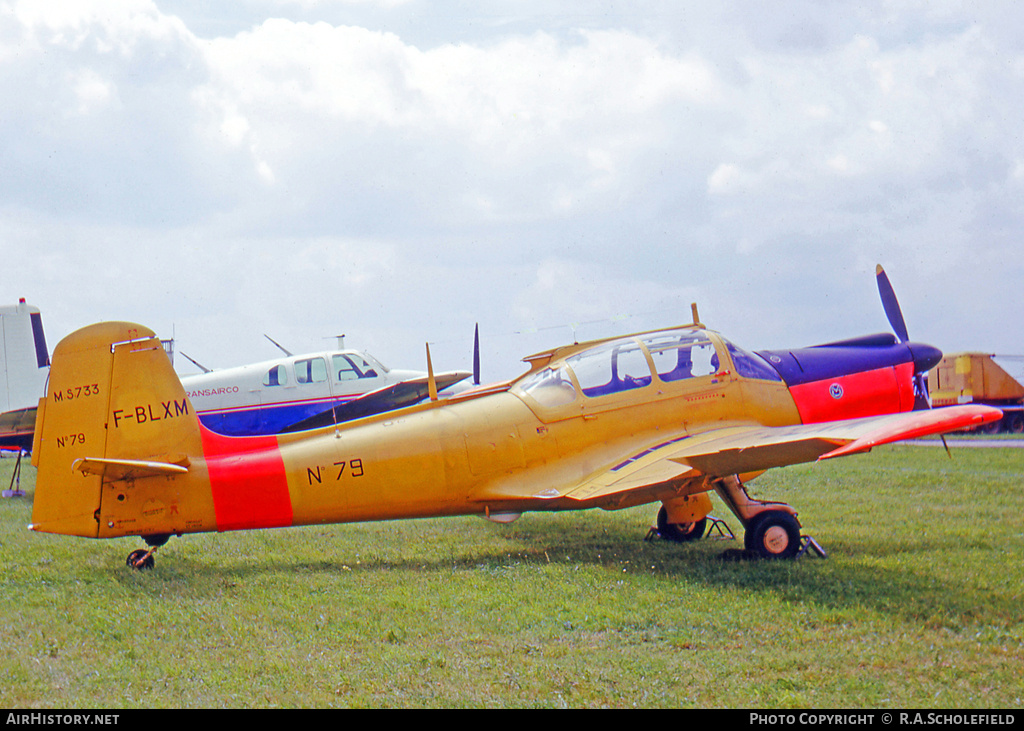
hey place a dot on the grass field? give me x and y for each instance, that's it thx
(919, 604)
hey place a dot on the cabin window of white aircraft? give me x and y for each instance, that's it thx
(310, 370)
(618, 366)
(682, 355)
(276, 376)
(350, 367)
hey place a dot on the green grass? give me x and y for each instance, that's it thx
(918, 605)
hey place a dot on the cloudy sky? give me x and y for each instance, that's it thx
(399, 170)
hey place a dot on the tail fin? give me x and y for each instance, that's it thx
(23, 356)
(24, 363)
(114, 412)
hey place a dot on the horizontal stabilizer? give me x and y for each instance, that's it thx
(113, 470)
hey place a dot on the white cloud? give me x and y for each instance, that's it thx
(521, 158)
(92, 91)
(726, 178)
(588, 298)
(320, 4)
(103, 26)
(531, 126)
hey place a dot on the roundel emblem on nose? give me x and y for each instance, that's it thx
(835, 391)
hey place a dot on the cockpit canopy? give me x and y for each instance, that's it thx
(635, 362)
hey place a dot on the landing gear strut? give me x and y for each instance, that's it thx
(771, 528)
(14, 490)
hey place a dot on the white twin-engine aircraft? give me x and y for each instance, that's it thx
(306, 391)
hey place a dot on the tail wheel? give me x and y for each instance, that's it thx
(680, 532)
(140, 559)
(773, 534)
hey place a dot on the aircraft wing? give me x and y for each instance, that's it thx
(17, 427)
(751, 448)
(386, 398)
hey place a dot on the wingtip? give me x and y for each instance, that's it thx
(928, 423)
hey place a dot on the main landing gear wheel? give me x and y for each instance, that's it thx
(773, 534)
(680, 532)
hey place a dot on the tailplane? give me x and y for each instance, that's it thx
(113, 437)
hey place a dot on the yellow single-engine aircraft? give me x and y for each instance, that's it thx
(664, 416)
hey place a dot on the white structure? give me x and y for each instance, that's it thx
(25, 361)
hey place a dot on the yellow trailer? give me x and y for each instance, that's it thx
(976, 378)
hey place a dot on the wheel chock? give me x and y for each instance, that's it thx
(809, 545)
(722, 528)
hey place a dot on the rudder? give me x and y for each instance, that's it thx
(114, 412)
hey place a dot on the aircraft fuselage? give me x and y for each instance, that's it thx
(513, 450)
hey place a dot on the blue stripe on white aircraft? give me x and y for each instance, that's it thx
(299, 392)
